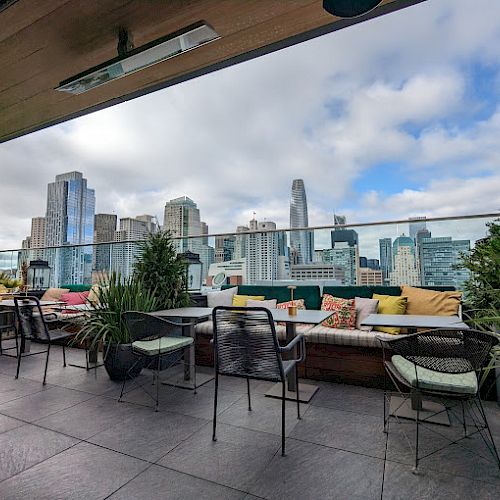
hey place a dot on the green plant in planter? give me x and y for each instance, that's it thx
(162, 271)
(104, 324)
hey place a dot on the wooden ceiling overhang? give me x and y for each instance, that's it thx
(43, 42)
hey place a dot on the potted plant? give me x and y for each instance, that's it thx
(104, 324)
(162, 271)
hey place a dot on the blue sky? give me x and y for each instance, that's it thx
(388, 119)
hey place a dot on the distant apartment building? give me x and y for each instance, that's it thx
(345, 257)
(124, 252)
(405, 269)
(224, 248)
(69, 220)
(440, 261)
(302, 242)
(316, 271)
(385, 246)
(37, 240)
(370, 277)
(104, 232)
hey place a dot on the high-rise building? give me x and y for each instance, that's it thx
(370, 277)
(440, 258)
(104, 232)
(385, 245)
(124, 252)
(69, 220)
(37, 238)
(369, 263)
(224, 248)
(302, 242)
(150, 221)
(204, 231)
(416, 224)
(345, 257)
(182, 218)
(340, 235)
(240, 242)
(317, 271)
(404, 263)
(262, 252)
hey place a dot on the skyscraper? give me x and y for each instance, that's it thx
(345, 257)
(404, 263)
(262, 252)
(385, 245)
(37, 238)
(416, 224)
(302, 242)
(69, 220)
(182, 218)
(104, 231)
(224, 248)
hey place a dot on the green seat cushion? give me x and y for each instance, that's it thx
(460, 383)
(163, 345)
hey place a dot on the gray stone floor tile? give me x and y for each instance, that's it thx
(238, 384)
(8, 423)
(41, 404)
(88, 418)
(27, 445)
(11, 388)
(345, 430)
(147, 434)
(350, 398)
(82, 472)
(236, 459)
(265, 415)
(401, 483)
(159, 483)
(317, 472)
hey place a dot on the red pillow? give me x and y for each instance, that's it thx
(344, 312)
(75, 298)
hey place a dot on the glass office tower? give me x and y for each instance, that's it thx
(301, 242)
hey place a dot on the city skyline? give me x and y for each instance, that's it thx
(373, 141)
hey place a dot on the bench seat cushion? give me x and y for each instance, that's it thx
(339, 336)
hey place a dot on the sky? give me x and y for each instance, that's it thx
(392, 118)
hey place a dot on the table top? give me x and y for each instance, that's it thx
(11, 303)
(310, 316)
(413, 321)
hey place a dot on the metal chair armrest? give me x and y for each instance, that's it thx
(299, 342)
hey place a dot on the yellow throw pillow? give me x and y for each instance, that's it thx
(241, 300)
(430, 302)
(389, 304)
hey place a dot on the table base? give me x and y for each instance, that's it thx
(401, 408)
(306, 392)
(175, 378)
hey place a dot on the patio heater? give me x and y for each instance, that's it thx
(38, 275)
(193, 271)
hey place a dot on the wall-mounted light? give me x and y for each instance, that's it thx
(129, 62)
(349, 8)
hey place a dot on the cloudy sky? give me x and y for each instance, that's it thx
(392, 118)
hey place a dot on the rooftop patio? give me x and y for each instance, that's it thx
(72, 438)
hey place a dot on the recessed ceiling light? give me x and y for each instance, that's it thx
(137, 59)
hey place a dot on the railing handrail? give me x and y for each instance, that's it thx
(262, 231)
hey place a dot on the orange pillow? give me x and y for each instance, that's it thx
(430, 302)
(344, 312)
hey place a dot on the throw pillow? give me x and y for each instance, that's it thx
(268, 304)
(430, 302)
(344, 312)
(390, 304)
(299, 303)
(74, 298)
(365, 307)
(222, 298)
(241, 300)
(54, 294)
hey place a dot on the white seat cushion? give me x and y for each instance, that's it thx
(161, 345)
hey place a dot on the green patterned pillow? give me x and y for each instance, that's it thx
(344, 312)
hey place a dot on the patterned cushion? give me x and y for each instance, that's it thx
(344, 312)
(462, 383)
(341, 336)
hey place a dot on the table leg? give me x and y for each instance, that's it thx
(291, 331)
(189, 365)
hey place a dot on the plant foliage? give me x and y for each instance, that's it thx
(115, 296)
(163, 271)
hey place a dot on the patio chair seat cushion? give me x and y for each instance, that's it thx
(460, 383)
(161, 345)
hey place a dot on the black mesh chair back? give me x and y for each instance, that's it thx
(30, 317)
(246, 344)
(143, 326)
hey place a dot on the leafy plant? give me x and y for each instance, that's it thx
(163, 271)
(114, 296)
(8, 282)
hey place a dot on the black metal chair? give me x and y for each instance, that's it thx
(246, 345)
(32, 325)
(7, 324)
(152, 343)
(440, 364)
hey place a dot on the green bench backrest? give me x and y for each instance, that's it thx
(77, 288)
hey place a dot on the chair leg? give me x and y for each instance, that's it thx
(283, 418)
(385, 401)
(64, 356)
(214, 438)
(463, 419)
(415, 470)
(487, 425)
(46, 364)
(297, 390)
(123, 388)
(158, 383)
(248, 393)
(19, 356)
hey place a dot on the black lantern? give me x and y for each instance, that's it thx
(193, 270)
(38, 275)
(349, 8)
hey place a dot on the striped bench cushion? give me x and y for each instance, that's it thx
(324, 335)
